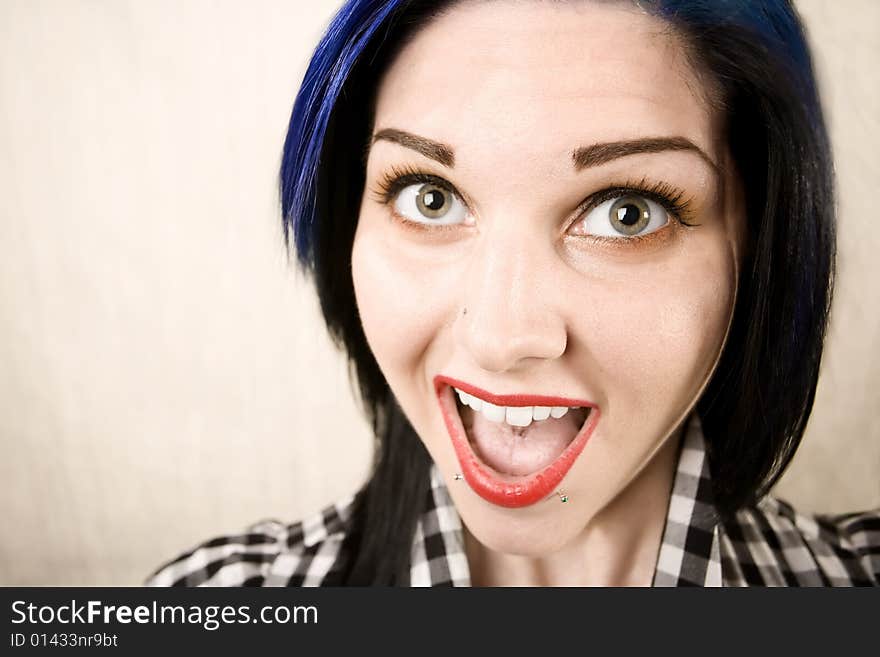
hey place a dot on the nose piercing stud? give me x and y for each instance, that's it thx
(562, 497)
(457, 477)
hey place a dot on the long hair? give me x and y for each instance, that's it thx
(755, 408)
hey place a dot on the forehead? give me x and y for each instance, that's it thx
(543, 77)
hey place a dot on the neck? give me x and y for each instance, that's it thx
(617, 547)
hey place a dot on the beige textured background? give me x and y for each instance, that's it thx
(164, 376)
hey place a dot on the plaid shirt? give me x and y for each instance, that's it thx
(766, 545)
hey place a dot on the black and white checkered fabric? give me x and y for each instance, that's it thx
(766, 545)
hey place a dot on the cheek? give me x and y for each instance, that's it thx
(401, 302)
(656, 339)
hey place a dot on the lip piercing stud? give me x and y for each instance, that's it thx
(457, 477)
(562, 497)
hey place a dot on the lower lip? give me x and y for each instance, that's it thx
(508, 491)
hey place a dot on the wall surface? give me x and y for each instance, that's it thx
(164, 374)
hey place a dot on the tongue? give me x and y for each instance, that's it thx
(518, 450)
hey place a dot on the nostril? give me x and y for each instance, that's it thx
(494, 353)
(499, 337)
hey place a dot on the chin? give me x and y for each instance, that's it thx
(522, 536)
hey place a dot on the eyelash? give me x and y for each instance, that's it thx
(671, 198)
(395, 179)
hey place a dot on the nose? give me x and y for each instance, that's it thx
(512, 314)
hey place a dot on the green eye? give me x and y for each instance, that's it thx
(630, 215)
(433, 201)
(429, 203)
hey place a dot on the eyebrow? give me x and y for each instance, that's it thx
(591, 156)
(583, 157)
(435, 150)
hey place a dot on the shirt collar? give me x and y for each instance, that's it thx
(689, 552)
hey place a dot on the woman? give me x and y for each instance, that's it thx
(580, 256)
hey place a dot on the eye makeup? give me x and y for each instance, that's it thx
(396, 179)
(679, 206)
(671, 198)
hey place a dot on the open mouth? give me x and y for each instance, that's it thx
(514, 450)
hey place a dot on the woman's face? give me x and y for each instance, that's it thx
(545, 226)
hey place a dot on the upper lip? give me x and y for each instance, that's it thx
(514, 399)
(495, 487)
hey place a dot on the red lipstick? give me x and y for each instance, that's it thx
(509, 490)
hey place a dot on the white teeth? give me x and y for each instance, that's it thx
(541, 413)
(469, 400)
(494, 413)
(517, 416)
